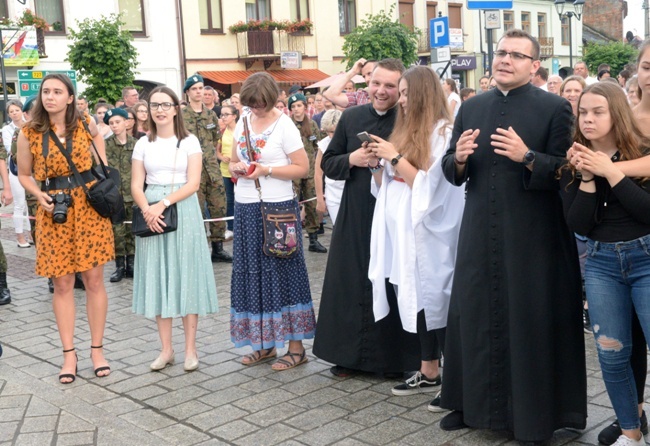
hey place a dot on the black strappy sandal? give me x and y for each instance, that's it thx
(288, 360)
(100, 369)
(69, 376)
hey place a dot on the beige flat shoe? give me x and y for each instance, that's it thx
(191, 364)
(162, 362)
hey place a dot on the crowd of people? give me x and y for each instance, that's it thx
(488, 228)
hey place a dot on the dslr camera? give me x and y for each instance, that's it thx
(62, 202)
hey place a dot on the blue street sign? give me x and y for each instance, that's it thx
(439, 35)
(489, 4)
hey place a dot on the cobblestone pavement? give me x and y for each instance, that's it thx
(223, 402)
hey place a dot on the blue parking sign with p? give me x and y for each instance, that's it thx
(439, 29)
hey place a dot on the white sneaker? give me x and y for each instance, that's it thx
(229, 235)
(627, 441)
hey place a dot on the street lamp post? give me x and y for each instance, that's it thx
(577, 5)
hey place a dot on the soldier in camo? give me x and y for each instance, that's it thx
(119, 149)
(7, 198)
(305, 187)
(204, 124)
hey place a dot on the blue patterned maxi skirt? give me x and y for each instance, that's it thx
(270, 297)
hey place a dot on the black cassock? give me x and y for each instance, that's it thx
(514, 353)
(346, 332)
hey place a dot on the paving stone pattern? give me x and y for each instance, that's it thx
(222, 403)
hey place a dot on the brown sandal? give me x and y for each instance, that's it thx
(289, 362)
(259, 356)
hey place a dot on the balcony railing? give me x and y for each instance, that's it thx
(424, 42)
(546, 47)
(254, 44)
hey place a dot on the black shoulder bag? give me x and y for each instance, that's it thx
(139, 226)
(279, 222)
(104, 196)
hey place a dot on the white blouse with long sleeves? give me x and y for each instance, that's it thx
(414, 238)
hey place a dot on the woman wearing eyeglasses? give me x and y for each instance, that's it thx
(173, 273)
(229, 117)
(141, 109)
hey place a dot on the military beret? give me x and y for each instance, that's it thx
(29, 103)
(295, 89)
(194, 79)
(296, 97)
(115, 112)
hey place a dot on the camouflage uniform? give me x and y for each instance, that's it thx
(305, 187)
(205, 126)
(119, 156)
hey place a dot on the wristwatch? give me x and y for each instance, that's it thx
(166, 202)
(529, 158)
(395, 160)
(268, 175)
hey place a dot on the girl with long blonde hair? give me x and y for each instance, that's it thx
(416, 221)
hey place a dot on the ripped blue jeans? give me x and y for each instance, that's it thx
(617, 281)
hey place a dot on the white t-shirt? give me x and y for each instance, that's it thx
(454, 97)
(272, 147)
(158, 157)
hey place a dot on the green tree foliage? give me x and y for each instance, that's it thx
(102, 54)
(616, 54)
(379, 37)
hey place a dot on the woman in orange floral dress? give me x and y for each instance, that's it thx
(84, 241)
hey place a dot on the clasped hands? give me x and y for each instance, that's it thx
(154, 218)
(589, 163)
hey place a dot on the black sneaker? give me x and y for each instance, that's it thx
(417, 383)
(610, 434)
(434, 406)
(586, 322)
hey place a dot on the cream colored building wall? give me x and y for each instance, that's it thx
(159, 58)
(323, 48)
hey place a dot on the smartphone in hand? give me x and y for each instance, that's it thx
(365, 137)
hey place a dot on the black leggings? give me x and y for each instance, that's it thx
(432, 342)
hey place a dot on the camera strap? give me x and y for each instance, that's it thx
(66, 154)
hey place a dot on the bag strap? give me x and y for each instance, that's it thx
(92, 141)
(65, 153)
(251, 154)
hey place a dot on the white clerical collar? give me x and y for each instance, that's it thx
(505, 93)
(380, 113)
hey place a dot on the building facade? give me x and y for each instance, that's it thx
(153, 23)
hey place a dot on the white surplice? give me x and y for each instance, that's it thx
(414, 238)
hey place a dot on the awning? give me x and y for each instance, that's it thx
(357, 79)
(302, 77)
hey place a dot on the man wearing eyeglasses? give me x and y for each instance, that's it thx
(514, 352)
(204, 124)
(554, 83)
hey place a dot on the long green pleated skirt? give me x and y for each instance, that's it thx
(173, 273)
